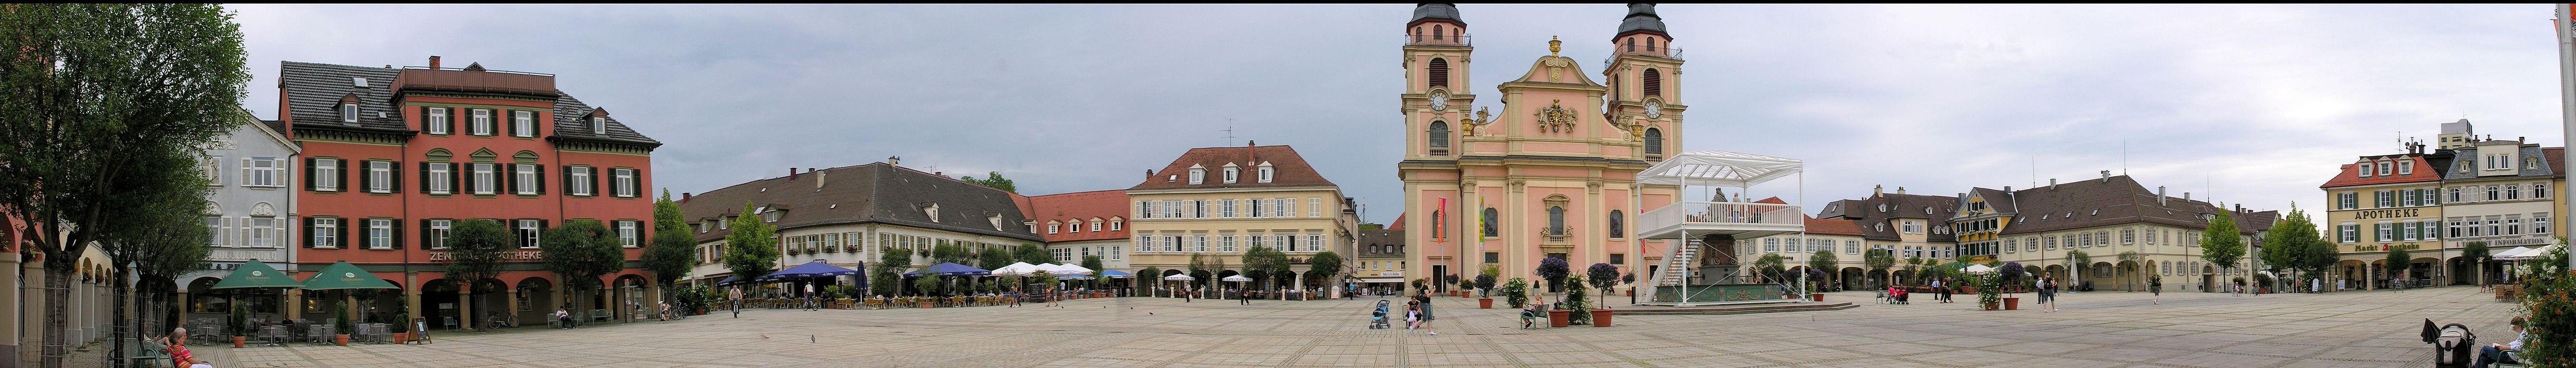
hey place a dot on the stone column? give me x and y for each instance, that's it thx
(294, 305)
(653, 297)
(464, 308)
(511, 297)
(411, 299)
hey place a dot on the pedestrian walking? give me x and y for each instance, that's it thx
(735, 294)
(2051, 288)
(2156, 289)
(809, 296)
(1937, 287)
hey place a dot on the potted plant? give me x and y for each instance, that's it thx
(1578, 303)
(401, 327)
(1554, 270)
(1629, 279)
(1559, 317)
(1484, 285)
(1989, 295)
(2011, 274)
(340, 332)
(238, 325)
(1816, 277)
(1516, 292)
(925, 283)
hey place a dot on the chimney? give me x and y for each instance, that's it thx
(1900, 190)
(2052, 183)
(818, 179)
(2007, 189)
(894, 160)
(433, 61)
(2106, 175)
(2186, 196)
(684, 196)
(1878, 190)
(2160, 195)
(791, 174)
(1248, 143)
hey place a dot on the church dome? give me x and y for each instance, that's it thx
(1440, 12)
(1641, 18)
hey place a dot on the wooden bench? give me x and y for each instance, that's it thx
(599, 315)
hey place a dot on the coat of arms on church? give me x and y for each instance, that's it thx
(1555, 117)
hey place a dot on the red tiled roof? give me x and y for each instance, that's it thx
(1399, 223)
(1832, 227)
(2351, 174)
(1288, 169)
(1077, 210)
(1772, 200)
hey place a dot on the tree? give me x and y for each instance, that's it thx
(1912, 265)
(888, 274)
(2287, 245)
(1033, 254)
(673, 250)
(1262, 264)
(104, 107)
(2319, 257)
(1772, 264)
(2129, 264)
(1324, 267)
(992, 179)
(1151, 277)
(751, 250)
(2220, 244)
(579, 252)
(992, 259)
(2399, 264)
(170, 240)
(1878, 261)
(1093, 262)
(1822, 260)
(2479, 255)
(1554, 270)
(1199, 269)
(1485, 279)
(1603, 276)
(474, 249)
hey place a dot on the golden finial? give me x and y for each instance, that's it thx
(1553, 45)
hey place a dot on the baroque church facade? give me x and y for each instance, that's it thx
(1551, 172)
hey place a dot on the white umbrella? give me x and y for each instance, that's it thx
(1068, 270)
(2528, 254)
(1016, 269)
(1237, 278)
(1179, 277)
(2509, 253)
(1978, 269)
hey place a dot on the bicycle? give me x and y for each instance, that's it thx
(494, 321)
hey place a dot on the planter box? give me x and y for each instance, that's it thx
(1992, 306)
(402, 338)
(1559, 317)
(342, 339)
(1600, 318)
(1631, 292)
(925, 305)
(237, 341)
(1817, 297)
(2012, 303)
(1484, 303)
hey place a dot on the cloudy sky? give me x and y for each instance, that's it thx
(2256, 104)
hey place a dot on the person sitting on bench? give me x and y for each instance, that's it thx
(2495, 353)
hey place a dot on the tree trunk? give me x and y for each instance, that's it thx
(57, 293)
(117, 293)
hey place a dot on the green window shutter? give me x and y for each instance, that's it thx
(343, 181)
(396, 236)
(393, 174)
(424, 178)
(308, 173)
(307, 234)
(541, 178)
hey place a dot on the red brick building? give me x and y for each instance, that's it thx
(393, 157)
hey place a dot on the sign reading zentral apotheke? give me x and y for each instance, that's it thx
(2390, 213)
(523, 255)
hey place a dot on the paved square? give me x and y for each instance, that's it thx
(2100, 329)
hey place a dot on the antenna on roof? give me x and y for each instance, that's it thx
(1229, 132)
(2124, 156)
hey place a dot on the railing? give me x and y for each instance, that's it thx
(480, 81)
(1439, 39)
(1674, 53)
(1696, 213)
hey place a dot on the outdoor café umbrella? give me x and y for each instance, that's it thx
(1016, 269)
(1237, 278)
(1116, 274)
(344, 276)
(1978, 269)
(256, 275)
(1179, 277)
(949, 269)
(809, 270)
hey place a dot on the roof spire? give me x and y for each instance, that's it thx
(1553, 46)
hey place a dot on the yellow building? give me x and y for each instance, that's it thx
(1213, 204)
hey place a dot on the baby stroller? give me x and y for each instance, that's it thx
(1377, 319)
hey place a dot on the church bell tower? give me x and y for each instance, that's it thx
(1645, 83)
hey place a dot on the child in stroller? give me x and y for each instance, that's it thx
(1377, 319)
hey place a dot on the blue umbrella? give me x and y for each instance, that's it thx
(1116, 274)
(949, 269)
(815, 269)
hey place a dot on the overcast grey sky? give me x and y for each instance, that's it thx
(2258, 104)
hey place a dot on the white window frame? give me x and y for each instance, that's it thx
(434, 123)
(627, 235)
(1198, 176)
(523, 179)
(1232, 174)
(626, 182)
(528, 232)
(580, 181)
(1199, 243)
(214, 225)
(480, 122)
(484, 181)
(263, 235)
(1095, 225)
(2540, 223)
(1225, 207)
(523, 124)
(380, 176)
(2348, 233)
(438, 233)
(263, 172)
(1314, 206)
(1266, 173)
(380, 234)
(1226, 244)
(326, 174)
(1115, 225)
(348, 112)
(1314, 242)
(441, 176)
(599, 125)
(326, 232)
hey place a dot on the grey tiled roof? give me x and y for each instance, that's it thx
(2550, 165)
(871, 193)
(313, 93)
(1435, 11)
(572, 121)
(1866, 213)
(2100, 202)
(1641, 17)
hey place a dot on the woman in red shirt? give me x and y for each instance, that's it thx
(179, 355)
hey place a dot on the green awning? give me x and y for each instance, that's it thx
(343, 275)
(254, 274)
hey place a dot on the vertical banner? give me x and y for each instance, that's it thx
(1440, 233)
(2566, 29)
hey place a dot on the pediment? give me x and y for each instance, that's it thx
(1556, 69)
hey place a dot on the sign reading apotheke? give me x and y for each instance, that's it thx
(2380, 214)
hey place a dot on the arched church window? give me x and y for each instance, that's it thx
(1632, 44)
(1556, 220)
(1439, 134)
(1618, 223)
(1437, 30)
(1438, 73)
(1652, 80)
(1650, 44)
(1654, 141)
(1487, 222)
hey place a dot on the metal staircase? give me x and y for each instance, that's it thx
(1680, 258)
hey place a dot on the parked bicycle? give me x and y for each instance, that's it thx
(497, 321)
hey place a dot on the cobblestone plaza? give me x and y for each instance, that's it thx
(2100, 329)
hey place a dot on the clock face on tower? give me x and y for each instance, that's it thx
(1439, 101)
(1654, 110)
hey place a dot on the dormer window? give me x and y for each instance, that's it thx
(2406, 167)
(1198, 175)
(2531, 163)
(2384, 168)
(997, 223)
(349, 112)
(771, 216)
(1232, 173)
(2365, 169)
(598, 125)
(932, 210)
(1053, 227)
(1265, 174)
(1117, 225)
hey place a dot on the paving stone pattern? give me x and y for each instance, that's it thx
(2098, 329)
